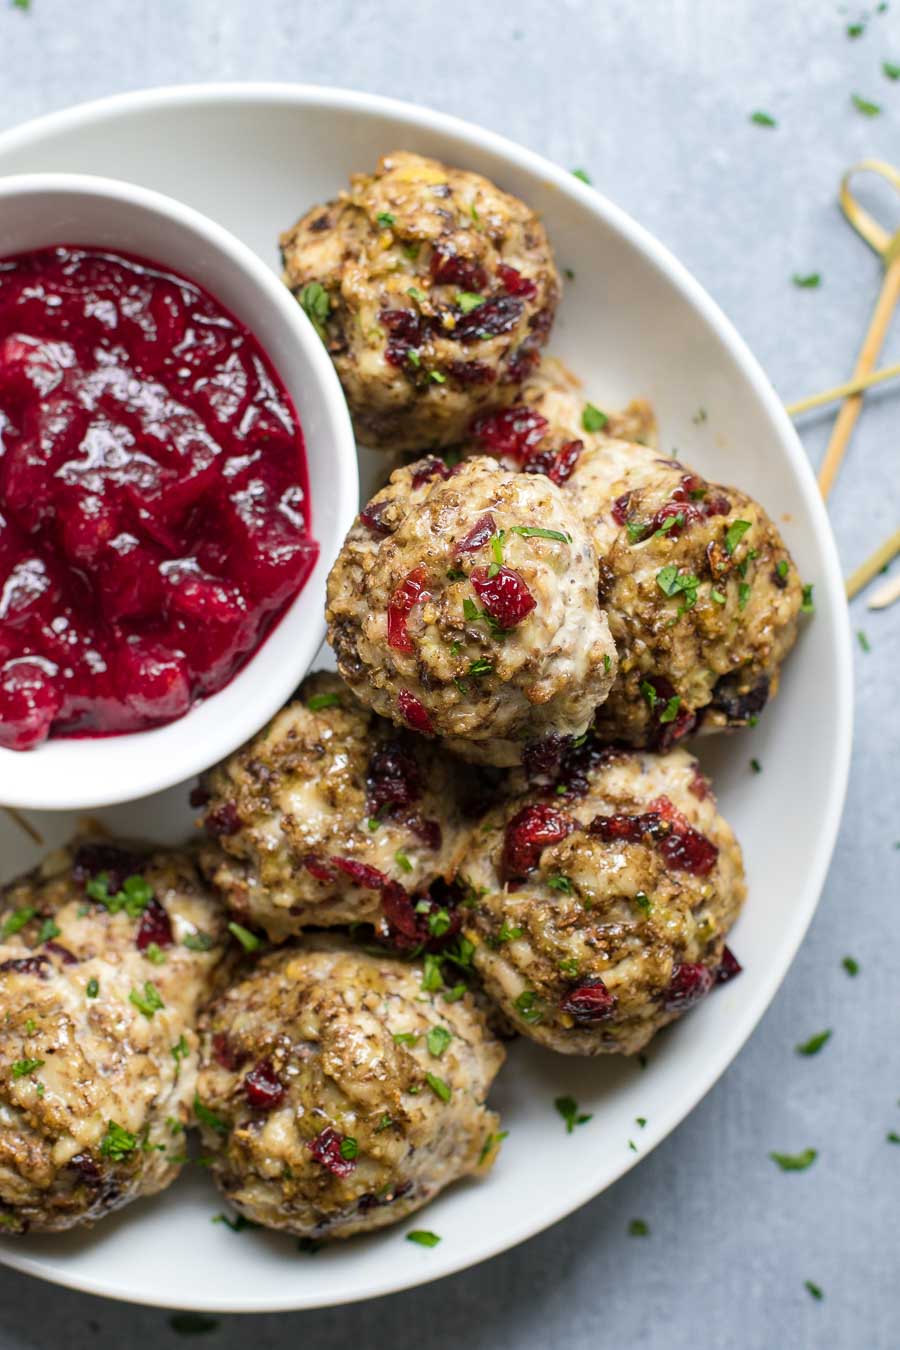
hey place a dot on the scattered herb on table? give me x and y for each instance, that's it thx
(851, 965)
(865, 106)
(814, 1290)
(863, 640)
(638, 1228)
(423, 1237)
(809, 281)
(795, 1162)
(763, 119)
(814, 1044)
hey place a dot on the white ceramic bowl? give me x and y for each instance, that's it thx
(37, 210)
(633, 322)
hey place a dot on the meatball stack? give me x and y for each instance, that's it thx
(480, 826)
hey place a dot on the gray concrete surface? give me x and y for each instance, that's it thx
(653, 98)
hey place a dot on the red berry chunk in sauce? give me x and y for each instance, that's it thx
(263, 1088)
(683, 847)
(515, 431)
(478, 536)
(414, 714)
(529, 832)
(155, 926)
(449, 269)
(589, 1002)
(410, 591)
(690, 982)
(505, 595)
(729, 966)
(154, 513)
(326, 1149)
(515, 284)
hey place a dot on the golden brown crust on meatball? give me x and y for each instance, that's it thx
(472, 615)
(344, 1095)
(433, 291)
(599, 912)
(326, 784)
(703, 596)
(98, 1001)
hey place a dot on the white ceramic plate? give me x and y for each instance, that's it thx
(632, 322)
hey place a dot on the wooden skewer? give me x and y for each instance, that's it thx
(873, 565)
(887, 245)
(25, 825)
(840, 391)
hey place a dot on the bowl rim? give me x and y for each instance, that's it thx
(180, 749)
(830, 588)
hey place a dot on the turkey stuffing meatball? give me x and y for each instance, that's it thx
(552, 422)
(328, 816)
(598, 911)
(433, 291)
(106, 952)
(702, 595)
(338, 1095)
(464, 604)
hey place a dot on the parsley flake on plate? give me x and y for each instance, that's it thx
(808, 281)
(568, 1109)
(814, 1290)
(117, 1143)
(795, 1162)
(851, 965)
(423, 1238)
(865, 106)
(592, 418)
(763, 119)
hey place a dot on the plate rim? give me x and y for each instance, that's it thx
(830, 587)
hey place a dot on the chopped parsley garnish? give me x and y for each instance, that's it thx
(806, 604)
(795, 1162)
(756, 766)
(437, 1041)
(640, 1120)
(672, 582)
(405, 1038)
(180, 1050)
(432, 978)
(583, 176)
(481, 666)
(865, 106)
(607, 662)
(592, 419)
(569, 967)
(49, 930)
(384, 1123)
(423, 1237)
(782, 568)
(744, 589)
(808, 281)
(30, 1026)
(17, 920)
(638, 1228)
(762, 119)
(385, 219)
(415, 293)
(192, 1324)
(890, 70)
(236, 1224)
(155, 954)
(893, 1137)
(669, 524)
(734, 534)
(698, 419)
(133, 898)
(436, 377)
(456, 574)
(22, 1067)
(438, 1086)
(538, 532)
(349, 1148)
(568, 1109)
(718, 597)
(850, 965)
(316, 306)
(402, 861)
(209, 1118)
(249, 941)
(649, 693)
(469, 300)
(490, 1144)
(643, 902)
(814, 1044)
(92, 988)
(863, 640)
(527, 1005)
(117, 1143)
(670, 711)
(320, 701)
(635, 529)
(148, 1002)
(197, 942)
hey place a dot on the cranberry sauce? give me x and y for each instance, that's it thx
(154, 507)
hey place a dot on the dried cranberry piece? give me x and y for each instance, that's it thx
(699, 786)
(27, 965)
(318, 869)
(684, 848)
(737, 705)
(223, 820)
(57, 949)
(542, 759)
(728, 967)
(326, 1149)
(413, 713)
(402, 920)
(619, 510)
(505, 595)
(408, 594)
(375, 1199)
(625, 829)
(361, 874)
(155, 926)
(589, 1002)
(567, 457)
(579, 761)
(494, 317)
(471, 372)
(199, 796)
(263, 1088)
(665, 734)
(514, 283)
(429, 468)
(408, 330)
(371, 517)
(87, 1169)
(521, 362)
(449, 269)
(483, 529)
(393, 777)
(690, 982)
(224, 1053)
(92, 859)
(426, 830)
(515, 431)
(529, 832)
